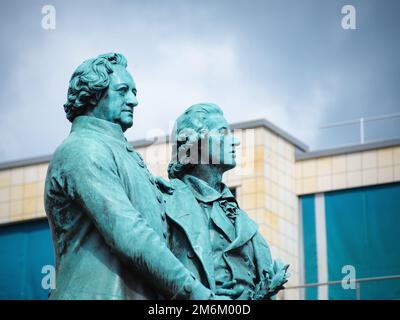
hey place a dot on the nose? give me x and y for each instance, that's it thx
(131, 100)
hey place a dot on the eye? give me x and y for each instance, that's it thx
(134, 92)
(122, 89)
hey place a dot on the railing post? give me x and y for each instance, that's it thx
(358, 293)
(362, 130)
(362, 122)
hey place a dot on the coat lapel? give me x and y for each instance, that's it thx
(182, 207)
(245, 230)
(222, 221)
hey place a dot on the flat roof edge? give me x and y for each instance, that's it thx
(269, 125)
(347, 149)
(25, 162)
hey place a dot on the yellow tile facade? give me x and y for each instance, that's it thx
(21, 193)
(350, 170)
(396, 156)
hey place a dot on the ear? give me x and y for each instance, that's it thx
(93, 101)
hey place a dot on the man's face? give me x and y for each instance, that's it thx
(221, 142)
(119, 100)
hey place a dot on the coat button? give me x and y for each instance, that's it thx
(159, 198)
(151, 179)
(129, 148)
(190, 254)
(249, 273)
(188, 288)
(164, 235)
(163, 217)
(221, 236)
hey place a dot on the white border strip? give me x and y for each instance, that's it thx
(322, 258)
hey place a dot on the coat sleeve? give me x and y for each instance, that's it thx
(90, 178)
(262, 253)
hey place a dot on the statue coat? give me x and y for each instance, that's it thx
(189, 236)
(107, 219)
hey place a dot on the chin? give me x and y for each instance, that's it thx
(125, 125)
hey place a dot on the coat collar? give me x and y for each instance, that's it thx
(219, 217)
(245, 227)
(183, 208)
(245, 230)
(99, 126)
(204, 192)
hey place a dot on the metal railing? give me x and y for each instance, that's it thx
(362, 122)
(356, 281)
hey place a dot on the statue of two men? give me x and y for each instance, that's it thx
(120, 233)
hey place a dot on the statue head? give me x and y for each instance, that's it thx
(102, 87)
(201, 136)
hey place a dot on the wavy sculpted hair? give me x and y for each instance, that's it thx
(190, 128)
(89, 82)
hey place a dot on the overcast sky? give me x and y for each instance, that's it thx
(290, 62)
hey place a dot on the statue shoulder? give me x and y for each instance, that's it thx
(181, 196)
(177, 184)
(79, 151)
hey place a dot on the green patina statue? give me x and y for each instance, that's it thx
(208, 232)
(105, 210)
(116, 235)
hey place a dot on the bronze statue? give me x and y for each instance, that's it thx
(208, 232)
(105, 210)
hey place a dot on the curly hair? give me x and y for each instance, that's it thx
(89, 82)
(190, 128)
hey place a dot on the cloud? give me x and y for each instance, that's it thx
(186, 72)
(293, 65)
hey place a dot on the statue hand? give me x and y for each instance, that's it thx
(279, 276)
(272, 281)
(164, 185)
(230, 289)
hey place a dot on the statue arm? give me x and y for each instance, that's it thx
(93, 182)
